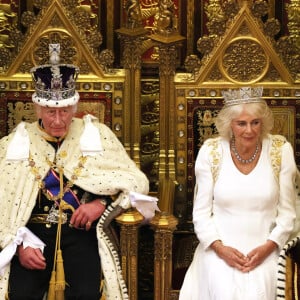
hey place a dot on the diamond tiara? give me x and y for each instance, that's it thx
(243, 95)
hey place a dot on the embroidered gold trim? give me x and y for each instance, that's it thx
(275, 155)
(215, 157)
(76, 173)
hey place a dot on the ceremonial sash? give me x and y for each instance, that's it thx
(52, 186)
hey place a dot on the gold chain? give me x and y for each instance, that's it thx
(76, 172)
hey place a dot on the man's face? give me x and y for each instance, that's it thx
(56, 120)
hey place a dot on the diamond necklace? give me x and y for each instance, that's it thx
(238, 157)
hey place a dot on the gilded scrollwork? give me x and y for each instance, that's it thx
(19, 111)
(167, 57)
(272, 27)
(132, 52)
(293, 9)
(8, 21)
(216, 17)
(106, 59)
(192, 64)
(205, 44)
(134, 14)
(40, 3)
(244, 60)
(260, 8)
(230, 8)
(165, 20)
(69, 53)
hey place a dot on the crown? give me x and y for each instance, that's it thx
(55, 83)
(242, 96)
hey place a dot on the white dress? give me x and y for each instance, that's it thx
(246, 210)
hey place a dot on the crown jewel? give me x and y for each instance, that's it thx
(55, 83)
(242, 96)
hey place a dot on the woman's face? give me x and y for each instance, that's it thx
(56, 120)
(246, 129)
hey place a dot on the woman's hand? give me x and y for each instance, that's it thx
(230, 255)
(236, 259)
(86, 214)
(31, 258)
(258, 255)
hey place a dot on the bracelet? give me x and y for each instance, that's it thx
(217, 245)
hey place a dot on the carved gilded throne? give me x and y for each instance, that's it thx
(162, 121)
(101, 87)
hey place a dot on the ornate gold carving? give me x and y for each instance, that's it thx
(272, 27)
(132, 53)
(216, 17)
(18, 111)
(8, 30)
(244, 60)
(230, 8)
(134, 14)
(192, 64)
(205, 44)
(106, 59)
(165, 20)
(293, 9)
(130, 222)
(164, 226)
(167, 59)
(68, 55)
(260, 8)
(215, 75)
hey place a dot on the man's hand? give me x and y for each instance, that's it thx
(86, 214)
(31, 258)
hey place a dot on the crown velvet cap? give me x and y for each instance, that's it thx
(243, 95)
(55, 83)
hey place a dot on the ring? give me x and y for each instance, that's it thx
(88, 223)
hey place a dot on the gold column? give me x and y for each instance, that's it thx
(164, 226)
(167, 173)
(131, 40)
(129, 224)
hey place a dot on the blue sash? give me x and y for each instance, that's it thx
(52, 185)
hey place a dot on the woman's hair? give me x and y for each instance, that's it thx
(259, 110)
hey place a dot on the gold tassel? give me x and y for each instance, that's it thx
(60, 283)
(102, 290)
(57, 282)
(102, 297)
(51, 290)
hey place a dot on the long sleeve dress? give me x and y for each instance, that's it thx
(243, 211)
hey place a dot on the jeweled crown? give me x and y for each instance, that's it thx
(242, 95)
(55, 83)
